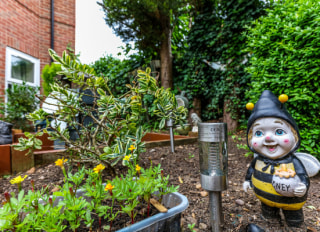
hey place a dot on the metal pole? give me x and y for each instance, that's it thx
(170, 125)
(172, 139)
(215, 207)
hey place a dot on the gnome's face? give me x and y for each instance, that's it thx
(272, 137)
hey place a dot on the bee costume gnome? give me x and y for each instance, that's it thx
(277, 176)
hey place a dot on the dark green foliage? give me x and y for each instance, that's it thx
(49, 72)
(119, 73)
(285, 48)
(149, 25)
(140, 21)
(113, 70)
(21, 101)
(181, 29)
(216, 36)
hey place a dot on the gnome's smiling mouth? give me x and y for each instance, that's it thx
(271, 148)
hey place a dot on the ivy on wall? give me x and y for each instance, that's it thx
(212, 69)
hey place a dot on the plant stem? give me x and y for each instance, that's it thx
(110, 225)
(132, 217)
(148, 209)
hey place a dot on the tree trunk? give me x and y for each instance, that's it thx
(196, 108)
(166, 54)
(232, 123)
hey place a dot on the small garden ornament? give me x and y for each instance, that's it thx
(195, 120)
(276, 174)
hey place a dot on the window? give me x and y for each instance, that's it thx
(21, 67)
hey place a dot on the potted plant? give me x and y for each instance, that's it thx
(21, 100)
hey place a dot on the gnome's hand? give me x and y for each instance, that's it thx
(300, 190)
(246, 186)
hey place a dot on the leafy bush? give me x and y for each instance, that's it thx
(104, 128)
(120, 73)
(285, 48)
(21, 101)
(117, 73)
(49, 72)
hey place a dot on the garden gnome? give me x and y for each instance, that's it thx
(277, 176)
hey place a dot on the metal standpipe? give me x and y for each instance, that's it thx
(170, 124)
(213, 157)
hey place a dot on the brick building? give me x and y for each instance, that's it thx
(28, 28)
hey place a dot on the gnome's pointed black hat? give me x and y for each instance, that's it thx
(268, 105)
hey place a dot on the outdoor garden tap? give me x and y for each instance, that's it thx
(213, 156)
(277, 175)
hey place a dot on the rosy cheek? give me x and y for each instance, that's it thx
(286, 141)
(255, 144)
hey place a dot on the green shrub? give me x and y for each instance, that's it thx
(103, 129)
(117, 77)
(121, 73)
(285, 48)
(21, 101)
(49, 72)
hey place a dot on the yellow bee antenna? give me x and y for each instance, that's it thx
(249, 106)
(283, 98)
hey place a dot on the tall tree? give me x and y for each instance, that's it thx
(149, 23)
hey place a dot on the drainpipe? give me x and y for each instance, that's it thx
(52, 27)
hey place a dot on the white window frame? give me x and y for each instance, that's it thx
(9, 80)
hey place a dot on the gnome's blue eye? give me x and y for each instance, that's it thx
(280, 132)
(258, 133)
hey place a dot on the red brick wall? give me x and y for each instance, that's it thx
(25, 26)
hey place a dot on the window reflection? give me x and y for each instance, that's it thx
(22, 69)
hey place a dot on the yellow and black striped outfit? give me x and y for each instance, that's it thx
(260, 174)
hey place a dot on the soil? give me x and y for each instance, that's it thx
(238, 208)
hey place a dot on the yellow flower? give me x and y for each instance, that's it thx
(60, 162)
(99, 168)
(133, 97)
(127, 157)
(109, 187)
(138, 168)
(18, 179)
(131, 148)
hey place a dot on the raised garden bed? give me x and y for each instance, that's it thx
(13, 161)
(159, 140)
